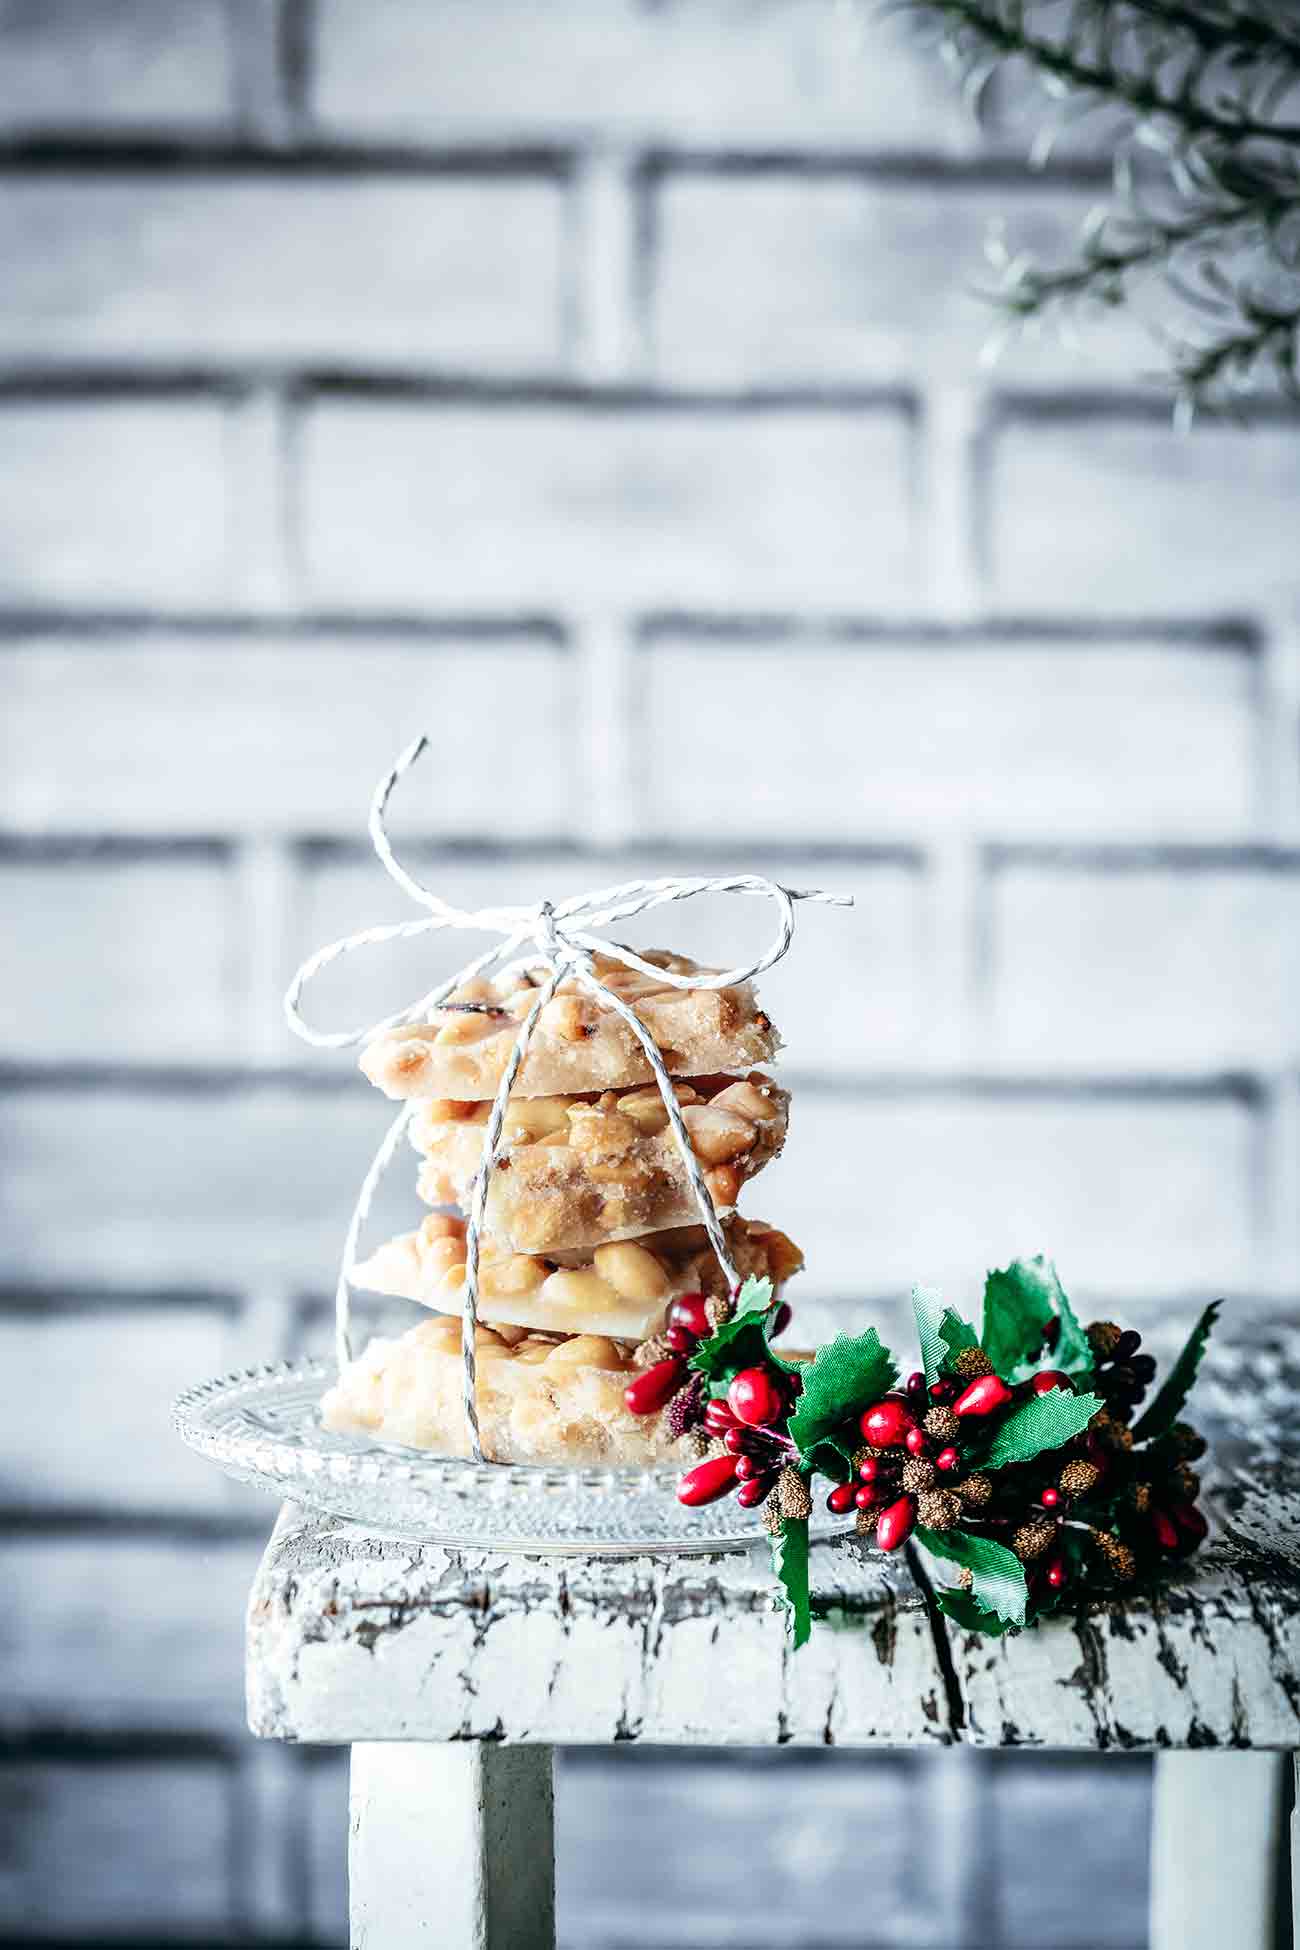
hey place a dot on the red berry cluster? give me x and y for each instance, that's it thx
(895, 1428)
(749, 1422)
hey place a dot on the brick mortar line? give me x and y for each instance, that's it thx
(746, 631)
(313, 851)
(973, 1083)
(84, 151)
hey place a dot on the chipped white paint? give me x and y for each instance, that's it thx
(451, 1845)
(1212, 1811)
(357, 1637)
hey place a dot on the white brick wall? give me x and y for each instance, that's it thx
(597, 387)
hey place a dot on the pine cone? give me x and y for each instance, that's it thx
(1103, 1338)
(1188, 1481)
(772, 1517)
(942, 1424)
(918, 1474)
(1120, 1561)
(1140, 1497)
(792, 1494)
(965, 1578)
(976, 1490)
(699, 1445)
(1186, 1442)
(865, 1523)
(1032, 1539)
(971, 1362)
(1079, 1478)
(938, 1509)
(1108, 1429)
(719, 1310)
(648, 1352)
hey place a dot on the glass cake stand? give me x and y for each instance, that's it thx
(263, 1427)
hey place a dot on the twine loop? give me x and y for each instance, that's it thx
(564, 943)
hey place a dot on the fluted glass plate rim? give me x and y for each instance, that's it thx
(261, 1426)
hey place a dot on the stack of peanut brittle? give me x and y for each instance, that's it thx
(592, 1233)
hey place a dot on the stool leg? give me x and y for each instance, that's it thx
(1217, 1832)
(451, 1846)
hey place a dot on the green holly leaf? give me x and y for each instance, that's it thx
(1043, 1422)
(961, 1607)
(1019, 1302)
(790, 1563)
(741, 1342)
(940, 1330)
(832, 1457)
(999, 1576)
(1164, 1411)
(848, 1374)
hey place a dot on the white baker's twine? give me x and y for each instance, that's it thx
(562, 946)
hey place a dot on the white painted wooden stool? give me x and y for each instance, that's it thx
(453, 1677)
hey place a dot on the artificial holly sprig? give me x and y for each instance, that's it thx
(1009, 1453)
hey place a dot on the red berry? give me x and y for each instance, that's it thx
(868, 1496)
(781, 1319)
(691, 1312)
(841, 1499)
(735, 1440)
(947, 1459)
(1050, 1498)
(1191, 1522)
(754, 1398)
(707, 1481)
(679, 1339)
(983, 1396)
(944, 1390)
(1056, 1574)
(1049, 1378)
(868, 1469)
(895, 1525)
(885, 1423)
(755, 1491)
(916, 1442)
(718, 1418)
(654, 1386)
(1164, 1531)
(916, 1383)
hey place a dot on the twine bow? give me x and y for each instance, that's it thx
(559, 938)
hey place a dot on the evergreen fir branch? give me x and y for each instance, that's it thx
(1068, 65)
(1202, 233)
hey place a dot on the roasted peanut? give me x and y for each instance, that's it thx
(717, 1135)
(530, 1118)
(724, 1183)
(601, 1133)
(646, 1110)
(441, 1225)
(565, 1018)
(746, 1099)
(577, 1288)
(467, 1026)
(517, 1273)
(442, 1331)
(584, 1351)
(532, 1353)
(631, 1270)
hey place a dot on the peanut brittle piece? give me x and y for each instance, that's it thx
(578, 1045)
(577, 1171)
(622, 1289)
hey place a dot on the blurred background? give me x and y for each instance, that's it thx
(595, 386)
